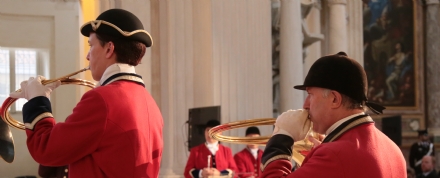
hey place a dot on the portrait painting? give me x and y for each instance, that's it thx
(389, 52)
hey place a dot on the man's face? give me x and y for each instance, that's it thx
(318, 106)
(252, 146)
(424, 138)
(427, 164)
(207, 137)
(96, 57)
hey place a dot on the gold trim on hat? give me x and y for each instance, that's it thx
(97, 23)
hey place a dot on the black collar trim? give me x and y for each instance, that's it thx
(344, 127)
(125, 76)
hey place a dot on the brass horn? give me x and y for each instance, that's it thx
(7, 150)
(300, 148)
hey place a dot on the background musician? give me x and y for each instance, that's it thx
(420, 149)
(221, 162)
(248, 160)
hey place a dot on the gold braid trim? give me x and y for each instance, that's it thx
(126, 77)
(38, 118)
(351, 125)
(97, 23)
(273, 159)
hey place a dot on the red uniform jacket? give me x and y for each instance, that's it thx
(246, 163)
(114, 131)
(362, 152)
(198, 159)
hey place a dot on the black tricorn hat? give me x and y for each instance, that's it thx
(340, 73)
(422, 132)
(212, 123)
(118, 23)
(252, 130)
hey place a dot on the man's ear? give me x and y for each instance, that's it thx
(110, 49)
(337, 99)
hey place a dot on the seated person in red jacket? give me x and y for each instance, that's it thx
(220, 157)
(249, 159)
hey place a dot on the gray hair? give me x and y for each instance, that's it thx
(347, 102)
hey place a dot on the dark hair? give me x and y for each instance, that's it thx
(212, 123)
(252, 130)
(127, 51)
(350, 103)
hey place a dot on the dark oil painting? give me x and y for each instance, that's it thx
(389, 52)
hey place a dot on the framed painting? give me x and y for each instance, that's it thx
(391, 55)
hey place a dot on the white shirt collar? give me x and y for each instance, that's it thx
(212, 147)
(114, 69)
(336, 124)
(426, 173)
(254, 152)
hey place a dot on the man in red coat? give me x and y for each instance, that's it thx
(116, 128)
(248, 160)
(210, 158)
(336, 104)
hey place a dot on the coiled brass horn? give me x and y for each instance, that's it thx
(300, 148)
(7, 150)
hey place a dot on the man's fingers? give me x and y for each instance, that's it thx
(23, 84)
(16, 95)
(54, 85)
(41, 78)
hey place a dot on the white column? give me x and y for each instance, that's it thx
(432, 66)
(355, 31)
(291, 58)
(337, 26)
(209, 53)
(166, 96)
(172, 49)
(241, 59)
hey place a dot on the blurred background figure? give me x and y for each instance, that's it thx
(420, 149)
(428, 171)
(249, 159)
(210, 158)
(410, 173)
